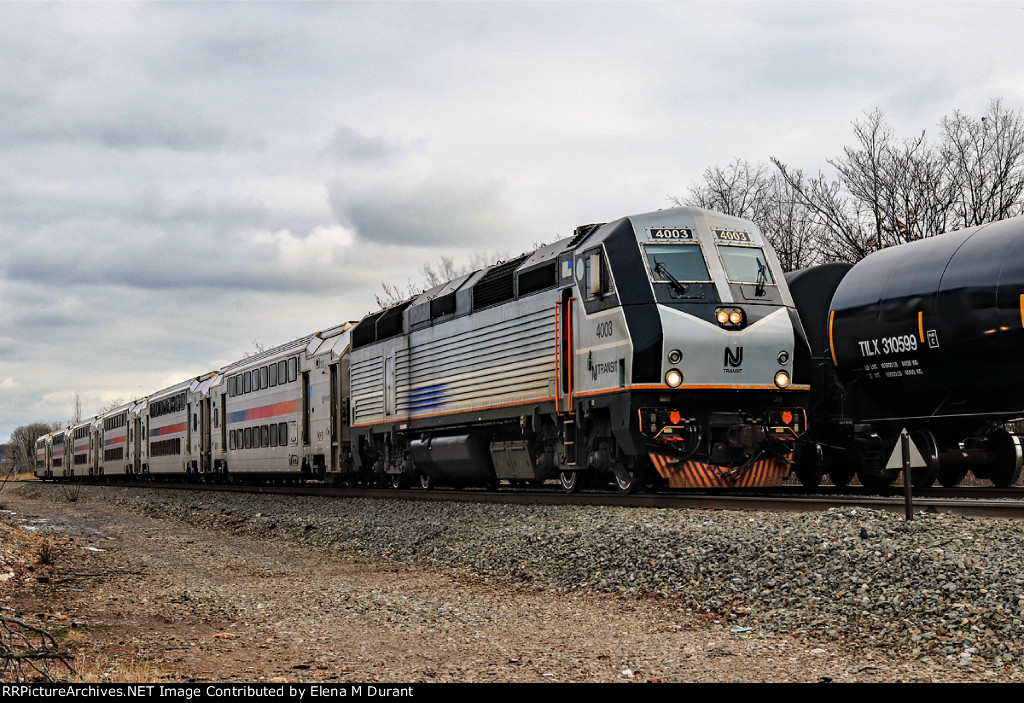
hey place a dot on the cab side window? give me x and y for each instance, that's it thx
(597, 281)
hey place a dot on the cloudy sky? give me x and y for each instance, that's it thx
(179, 180)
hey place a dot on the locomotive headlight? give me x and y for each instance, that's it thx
(782, 379)
(730, 318)
(674, 378)
(783, 357)
(675, 356)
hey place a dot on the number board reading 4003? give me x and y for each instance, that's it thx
(731, 235)
(674, 233)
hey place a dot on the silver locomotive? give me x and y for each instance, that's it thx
(659, 348)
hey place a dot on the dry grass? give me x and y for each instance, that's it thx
(101, 669)
(71, 490)
(46, 551)
(94, 666)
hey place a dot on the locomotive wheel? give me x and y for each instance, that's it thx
(426, 482)
(397, 480)
(628, 482)
(570, 481)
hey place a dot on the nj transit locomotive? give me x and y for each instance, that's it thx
(659, 348)
(924, 336)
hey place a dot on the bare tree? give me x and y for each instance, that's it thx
(756, 193)
(107, 407)
(443, 271)
(30, 654)
(886, 192)
(741, 189)
(433, 274)
(22, 447)
(881, 190)
(984, 160)
(258, 348)
(76, 413)
(392, 294)
(791, 228)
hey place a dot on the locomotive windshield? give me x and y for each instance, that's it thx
(745, 265)
(676, 262)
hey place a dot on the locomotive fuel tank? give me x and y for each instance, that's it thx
(934, 328)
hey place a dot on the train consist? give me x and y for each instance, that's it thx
(666, 348)
(659, 349)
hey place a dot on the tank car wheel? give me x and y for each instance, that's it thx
(840, 477)
(426, 482)
(927, 480)
(809, 471)
(877, 479)
(570, 481)
(809, 474)
(952, 478)
(929, 448)
(1010, 449)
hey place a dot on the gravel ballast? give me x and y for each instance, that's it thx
(943, 589)
(951, 585)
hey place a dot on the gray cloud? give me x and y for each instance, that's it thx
(8, 348)
(347, 144)
(178, 258)
(437, 212)
(116, 129)
(177, 179)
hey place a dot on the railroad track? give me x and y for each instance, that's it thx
(972, 501)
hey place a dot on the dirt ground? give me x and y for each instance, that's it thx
(138, 599)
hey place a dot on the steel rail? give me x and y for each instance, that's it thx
(996, 503)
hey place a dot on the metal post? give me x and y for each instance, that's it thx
(908, 482)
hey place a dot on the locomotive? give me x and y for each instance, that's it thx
(925, 337)
(661, 348)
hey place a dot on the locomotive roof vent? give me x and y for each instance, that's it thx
(581, 233)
